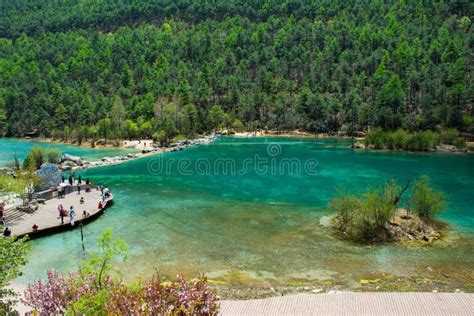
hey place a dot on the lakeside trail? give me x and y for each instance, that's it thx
(355, 303)
(339, 303)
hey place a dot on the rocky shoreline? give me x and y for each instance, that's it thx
(71, 163)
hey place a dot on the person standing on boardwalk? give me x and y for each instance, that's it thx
(71, 180)
(61, 212)
(71, 215)
(78, 188)
(60, 191)
(79, 180)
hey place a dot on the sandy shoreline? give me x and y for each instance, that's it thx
(138, 144)
(144, 144)
(293, 134)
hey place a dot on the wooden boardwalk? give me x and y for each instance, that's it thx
(46, 217)
(352, 303)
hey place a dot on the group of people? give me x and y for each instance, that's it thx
(62, 211)
(71, 213)
(105, 192)
(71, 180)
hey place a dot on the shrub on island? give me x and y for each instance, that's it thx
(374, 216)
(426, 200)
(364, 218)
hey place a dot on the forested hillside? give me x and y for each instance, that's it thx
(160, 67)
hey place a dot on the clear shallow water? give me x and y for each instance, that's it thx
(9, 147)
(262, 223)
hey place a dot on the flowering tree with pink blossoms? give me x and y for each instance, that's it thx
(92, 290)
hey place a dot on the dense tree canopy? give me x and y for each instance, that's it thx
(108, 69)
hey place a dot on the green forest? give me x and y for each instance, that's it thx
(161, 68)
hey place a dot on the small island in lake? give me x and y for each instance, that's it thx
(375, 215)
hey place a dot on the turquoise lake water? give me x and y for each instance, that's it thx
(10, 146)
(253, 206)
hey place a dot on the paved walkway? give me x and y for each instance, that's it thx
(350, 303)
(47, 214)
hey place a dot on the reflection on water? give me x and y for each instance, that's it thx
(265, 227)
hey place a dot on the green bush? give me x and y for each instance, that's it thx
(377, 138)
(38, 156)
(364, 218)
(423, 141)
(237, 125)
(426, 200)
(389, 141)
(34, 159)
(429, 140)
(13, 255)
(179, 137)
(400, 139)
(460, 143)
(53, 156)
(449, 136)
(345, 206)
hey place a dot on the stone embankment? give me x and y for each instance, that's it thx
(70, 162)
